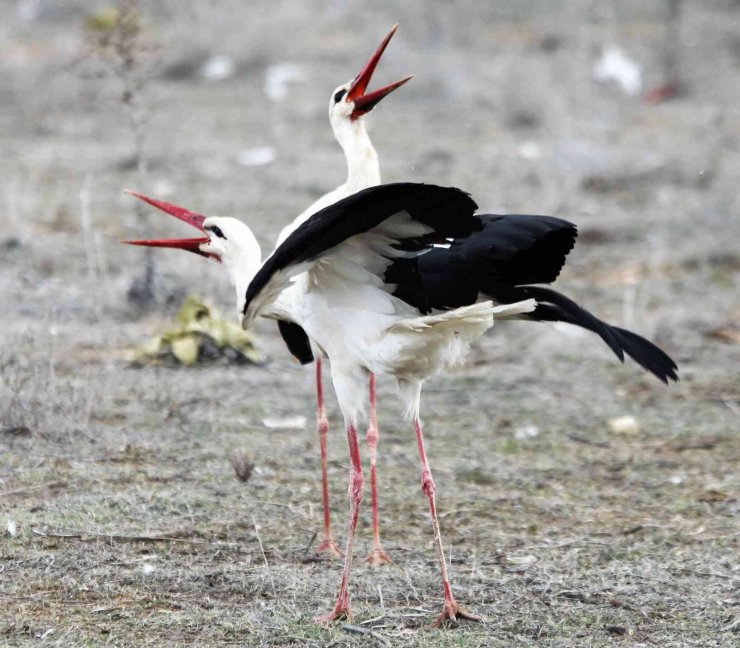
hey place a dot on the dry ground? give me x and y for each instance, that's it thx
(130, 526)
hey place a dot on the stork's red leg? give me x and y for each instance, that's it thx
(377, 555)
(451, 609)
(328, 544)
(342, 608)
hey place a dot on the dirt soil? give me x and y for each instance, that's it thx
(123, 522)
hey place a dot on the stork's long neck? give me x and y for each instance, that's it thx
(243, 265)
(363, 169)
(243, 259)
(241, 275)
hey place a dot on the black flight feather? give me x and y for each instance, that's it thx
(554, 307)
(297, 341)
(506, 251)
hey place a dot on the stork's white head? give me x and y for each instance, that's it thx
(226, 240)
(348, 102)
(230, 241)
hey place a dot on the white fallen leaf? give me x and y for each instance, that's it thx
(147, 569)
(526, 432)
(218, 68)
(257, 156)
(521, 561)
(676, 479)
(11, 528)
(285, 423)
(627, 424)
(279, 76)
(530, 150)
(614, 65)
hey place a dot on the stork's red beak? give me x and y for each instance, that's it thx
(185, 215)
(364, 103)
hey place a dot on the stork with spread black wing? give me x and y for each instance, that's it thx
(398, 280)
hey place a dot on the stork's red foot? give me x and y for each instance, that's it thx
(452, 611)
(378, 557)
(342, 610)
(330, 548)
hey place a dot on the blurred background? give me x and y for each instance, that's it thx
(623, 117)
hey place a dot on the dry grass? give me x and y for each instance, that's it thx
(552, 539)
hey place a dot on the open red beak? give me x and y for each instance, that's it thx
(364, 103)
(185, 215)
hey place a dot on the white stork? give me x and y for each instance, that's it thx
(348, 105)
(368, 281)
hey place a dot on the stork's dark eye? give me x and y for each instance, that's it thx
(338, 95)
(216, 230)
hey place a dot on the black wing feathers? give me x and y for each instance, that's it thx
(647, 355)
(449, 212)
(507, 251)
(498, 262)
(554, 307)
(524, 249)
(297, 341)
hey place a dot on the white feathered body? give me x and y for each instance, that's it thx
(347, 310)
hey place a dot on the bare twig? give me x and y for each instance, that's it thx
(419, 609)
(310, 544)
(264, 556)
(368, 632)
(117, 39)
(702, 443)
(30, 489)
(116, 537)
(380, 596)
(374, 620)
(600, 599)
(587, 441)
(410, 583)
(100, 610)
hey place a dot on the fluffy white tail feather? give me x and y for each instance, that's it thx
(512, 310)
(419, 347)
(475, 314)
